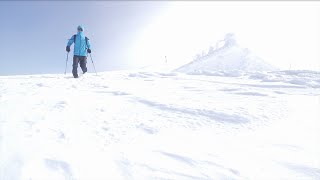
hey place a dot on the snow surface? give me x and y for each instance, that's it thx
(229, 57)
(148, 125)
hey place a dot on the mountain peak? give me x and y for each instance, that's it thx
(230, 40)
(228, 57)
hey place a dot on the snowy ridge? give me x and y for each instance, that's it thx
(153, 125)
(228, 58)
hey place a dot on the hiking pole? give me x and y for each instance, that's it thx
(65, 70)
(93, 64)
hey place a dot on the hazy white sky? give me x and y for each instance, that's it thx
(283, 33)
(134, 34)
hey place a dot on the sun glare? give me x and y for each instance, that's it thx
(188, 28)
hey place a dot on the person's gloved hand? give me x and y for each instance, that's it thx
(89, 50)
(68, 48)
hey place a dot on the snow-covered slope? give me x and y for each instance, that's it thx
(229, 57)
(147, 125)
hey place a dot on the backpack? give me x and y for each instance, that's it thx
(74, 39)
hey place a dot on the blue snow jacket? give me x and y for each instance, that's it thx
(81, 44)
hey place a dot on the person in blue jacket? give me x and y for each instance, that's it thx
(81, 48)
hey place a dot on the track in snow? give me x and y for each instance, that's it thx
(148, 125)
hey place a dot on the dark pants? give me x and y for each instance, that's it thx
(83, 65)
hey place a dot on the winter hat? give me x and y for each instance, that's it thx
(80, 28)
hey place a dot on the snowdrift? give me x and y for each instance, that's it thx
(230, 59)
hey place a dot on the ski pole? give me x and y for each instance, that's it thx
(65, 70)
(93, 64)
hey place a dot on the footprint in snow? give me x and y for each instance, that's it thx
(146, 129)
(251, 94)
(229, 89)
(116, 93)
(40, 85)
(60, 105)
(119, 93)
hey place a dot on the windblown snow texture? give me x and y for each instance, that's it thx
(145, 125)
